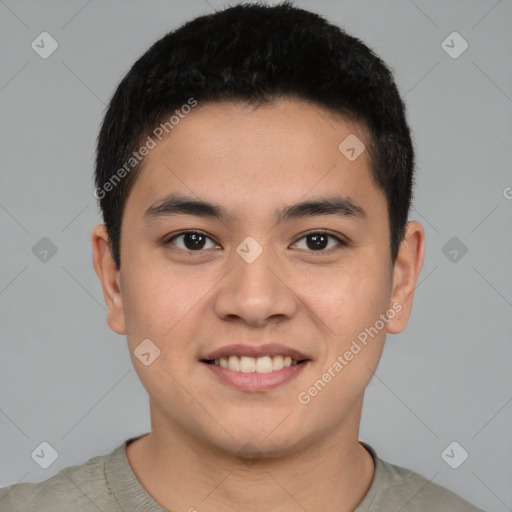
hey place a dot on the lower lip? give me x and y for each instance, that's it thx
(256, 381)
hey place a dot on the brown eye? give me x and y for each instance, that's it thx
(191, 241)
(318, 241)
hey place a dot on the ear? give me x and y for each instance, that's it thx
(406, 271)
(110, 278)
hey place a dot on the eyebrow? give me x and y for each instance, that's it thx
(176, 204)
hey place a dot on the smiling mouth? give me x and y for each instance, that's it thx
(247, 364)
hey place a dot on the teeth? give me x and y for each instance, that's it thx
(234, 363)
(246, 364)
(264, 365)
(277, 362)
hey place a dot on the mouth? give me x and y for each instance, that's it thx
(253, 369)
(248, 364)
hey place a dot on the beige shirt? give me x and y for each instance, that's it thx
(106, 483)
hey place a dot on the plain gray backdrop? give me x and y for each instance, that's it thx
(67, 380)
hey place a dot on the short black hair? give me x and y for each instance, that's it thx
(256, 53)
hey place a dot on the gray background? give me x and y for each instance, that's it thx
(65, 378)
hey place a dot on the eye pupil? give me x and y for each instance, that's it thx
(319, 241)
(197, 240)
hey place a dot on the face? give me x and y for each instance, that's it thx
(258, 271)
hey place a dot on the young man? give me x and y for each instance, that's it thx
(255, 171)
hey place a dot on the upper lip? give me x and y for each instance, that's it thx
(271, 349)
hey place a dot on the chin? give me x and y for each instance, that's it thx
(264, 444)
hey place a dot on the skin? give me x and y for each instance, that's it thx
(252, 161)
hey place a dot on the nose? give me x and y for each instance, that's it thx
(256, 292)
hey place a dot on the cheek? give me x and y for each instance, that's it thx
(346, 298)
(350, 306)
(156, 303)
(163, 308)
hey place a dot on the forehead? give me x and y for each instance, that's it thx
(247, 156)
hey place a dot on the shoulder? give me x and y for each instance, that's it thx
(411, 492)
(81, 486)
(399, 488)
(421, 494)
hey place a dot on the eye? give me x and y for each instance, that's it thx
(191, 241)
(195, 241)
(318, 241)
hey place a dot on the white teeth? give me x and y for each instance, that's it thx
(234, 363)
(264, 364)
(246, 364)
(277, 362)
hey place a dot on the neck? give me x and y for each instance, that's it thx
(332, 474)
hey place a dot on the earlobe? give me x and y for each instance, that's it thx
(406, 271)
(110, 278)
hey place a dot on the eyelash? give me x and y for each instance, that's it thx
(340, 241)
